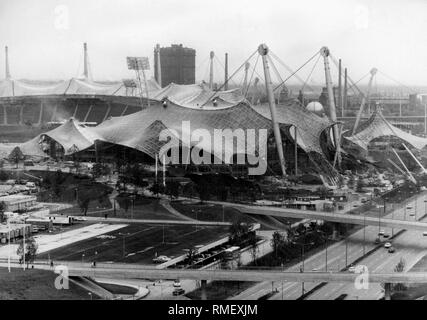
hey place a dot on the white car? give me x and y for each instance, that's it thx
(387, 245)
(177, 284)
(352, 269)
(161, 259)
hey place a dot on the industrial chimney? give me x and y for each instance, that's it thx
(6, 50)
(86, 69)
(157, 65)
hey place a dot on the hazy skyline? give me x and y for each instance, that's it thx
(45, 37)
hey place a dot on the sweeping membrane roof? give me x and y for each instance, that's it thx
(198, 96)
(377, 126)
(73, 86)
(188, 111)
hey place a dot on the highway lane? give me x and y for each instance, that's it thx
(336, 256)
(410, 245)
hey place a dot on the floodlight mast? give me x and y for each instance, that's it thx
(263, 51)
(85, 62)
(324, 51)
(137, 64)
(6, 51)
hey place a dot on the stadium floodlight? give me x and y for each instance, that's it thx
(138, 63)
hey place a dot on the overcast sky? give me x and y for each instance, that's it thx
(45, 36)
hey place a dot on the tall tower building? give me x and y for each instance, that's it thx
(177, 65)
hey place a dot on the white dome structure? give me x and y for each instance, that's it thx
(315, 107)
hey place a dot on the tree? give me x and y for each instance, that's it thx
(172, 189)
(400, 267)
(313, 225)
(340, 182)
(100, 169)
(191, 255)
(2, 208)
(360, 186)
(237, 231)
(84, 205)
(277, 241)
(253, 243)
(4, 175)
(351, 181)
(29, 252)
(322, 191)
(16, 155)
(204, 190)
(157, 188)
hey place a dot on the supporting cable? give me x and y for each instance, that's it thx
(288, 68)
(234, 73)
(250, 80)
(305, 63)
(398, 82)
(311, 72)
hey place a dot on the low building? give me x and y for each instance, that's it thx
(16, 231)
(18, 202)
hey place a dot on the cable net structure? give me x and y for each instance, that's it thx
(377, 126)
(141, 130)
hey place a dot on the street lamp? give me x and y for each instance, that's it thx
(302, 258)
(83, 257)
(326, 238)
(196, 211)
(90, 295)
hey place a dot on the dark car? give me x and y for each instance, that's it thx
(178, 292)
(341, 296)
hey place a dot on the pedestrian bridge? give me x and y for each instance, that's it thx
(326, 216)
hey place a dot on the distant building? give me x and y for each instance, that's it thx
(18, 202)
(177, 65)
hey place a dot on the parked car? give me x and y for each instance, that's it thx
(352, 269)
(377, 241)
(178, 292)
(177, 284)
(387, 245)
(161, 259)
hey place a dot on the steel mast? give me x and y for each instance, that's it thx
(364, 99)
(263, 51)
(324, 51)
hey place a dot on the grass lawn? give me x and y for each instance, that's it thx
(33, 284)
(118, 289)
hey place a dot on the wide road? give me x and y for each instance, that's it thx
(336, 258)
(410, 245)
